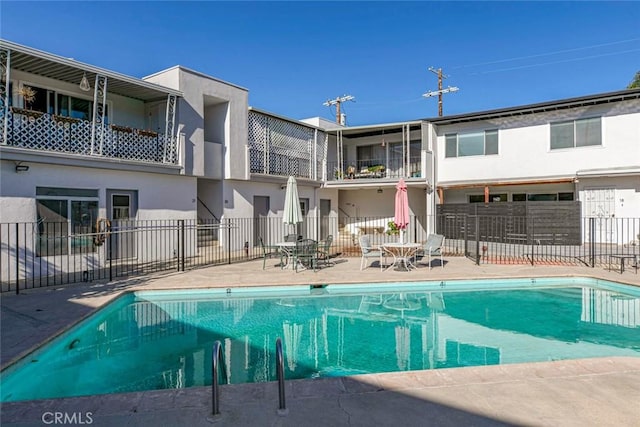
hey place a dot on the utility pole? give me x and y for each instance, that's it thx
(440, 91)
(339, 100)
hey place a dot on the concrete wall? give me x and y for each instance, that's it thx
(626, 194)
(524, 148)
(210, 192)
(370, 203)
(159, 196)
(238, 197)
(205, 98)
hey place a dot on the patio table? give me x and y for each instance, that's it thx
(622, 258)
(401, 253)
(288, 248)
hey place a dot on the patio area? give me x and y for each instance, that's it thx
(573, 392)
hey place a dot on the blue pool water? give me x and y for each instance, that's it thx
(163, 339)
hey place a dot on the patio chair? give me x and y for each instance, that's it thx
(306, 254)
(323, 251)
(368, 251)
(433, 248)
(269, 252)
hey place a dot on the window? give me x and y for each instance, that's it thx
(479, 198)
(471, 144)
(576, 133)
(534, 197)
(63, 212)
(48, 101)
(396, 149)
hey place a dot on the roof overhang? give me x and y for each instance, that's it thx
(505, 182)
(68, 70)
(385, 183)
(563, 104)
(375, 130)
(609, 172)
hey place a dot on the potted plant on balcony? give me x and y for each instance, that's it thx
(28, 95)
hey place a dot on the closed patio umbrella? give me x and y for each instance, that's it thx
(401, 217)
(292, 213)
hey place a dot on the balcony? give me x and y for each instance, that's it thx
(49, 132)
(372, 169)
(282, 147)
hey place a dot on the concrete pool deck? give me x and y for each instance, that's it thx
(582, 392)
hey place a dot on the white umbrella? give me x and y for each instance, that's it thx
(292, 213)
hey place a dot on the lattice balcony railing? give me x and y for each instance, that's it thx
(280, 147)
(48, 132)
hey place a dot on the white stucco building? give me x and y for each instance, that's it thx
(80, 143)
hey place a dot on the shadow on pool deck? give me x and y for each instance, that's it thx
(574, 392)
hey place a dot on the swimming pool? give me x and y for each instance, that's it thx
(163, 339)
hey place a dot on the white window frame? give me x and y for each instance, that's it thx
(574, 122)
(484, 142)
(69, 219)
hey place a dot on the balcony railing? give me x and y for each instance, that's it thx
(49, 132)
(374, 169)
(280, 147)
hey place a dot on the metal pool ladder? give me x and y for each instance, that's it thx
(282, 407)
(217, 359)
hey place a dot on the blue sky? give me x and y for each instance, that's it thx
(293, 56)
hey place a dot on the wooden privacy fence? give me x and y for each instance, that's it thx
(513, 222)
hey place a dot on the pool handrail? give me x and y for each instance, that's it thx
(216, 357)
(282, 408)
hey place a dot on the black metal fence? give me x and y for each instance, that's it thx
(534, 240)
(34, 255)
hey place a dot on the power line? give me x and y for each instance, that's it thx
(337, 101)
(538, 55)
(440, 90)
(560, 61)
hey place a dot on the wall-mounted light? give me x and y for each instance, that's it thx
(379, 190)
(283, 186)
(21, 168)
(429, 189)
(84, 83)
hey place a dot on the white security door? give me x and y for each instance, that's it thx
(122, 206)
(599, 203)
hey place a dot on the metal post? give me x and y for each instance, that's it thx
(477, 239)
(182, 246)
(110, 256)
(592, 235)
(466, 234)
(229, 240)
(17, 259)
(533, 240)
(5, 78)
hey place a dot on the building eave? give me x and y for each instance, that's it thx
(65, 159)
(457, 185)
(562, 104)
(34, 61)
